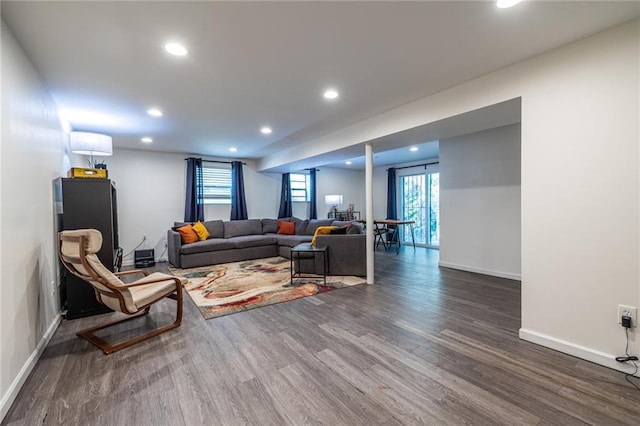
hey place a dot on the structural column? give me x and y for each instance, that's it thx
(368, 172)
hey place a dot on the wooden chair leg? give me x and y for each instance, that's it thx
(107, 348)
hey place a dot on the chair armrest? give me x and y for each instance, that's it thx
(164, 278)
(174, 243)
(131, 272)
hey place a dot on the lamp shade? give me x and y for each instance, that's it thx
(333, 200)
(90, 143)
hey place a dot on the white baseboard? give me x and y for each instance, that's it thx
(500, 274)
(12, 392)
(597, 357)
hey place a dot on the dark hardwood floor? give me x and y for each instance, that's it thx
(423, 345)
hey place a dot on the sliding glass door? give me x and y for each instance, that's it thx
(420, 202)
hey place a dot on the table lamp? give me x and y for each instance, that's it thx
(334, 201)
(90, 144)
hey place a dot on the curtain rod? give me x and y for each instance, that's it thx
(416, 165)
(214, 161)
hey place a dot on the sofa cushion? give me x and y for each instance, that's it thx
(269, 226)
(237, 228)
(315, 223)
(215, 228)
(212, 244)
(340, 223)
(301, 225)
(292, 240)
(355, 228)
(286, 228)
(245, 241)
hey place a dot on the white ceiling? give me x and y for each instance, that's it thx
(267, 63)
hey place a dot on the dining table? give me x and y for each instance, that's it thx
(391, 227)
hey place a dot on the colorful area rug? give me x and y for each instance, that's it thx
(225, 289)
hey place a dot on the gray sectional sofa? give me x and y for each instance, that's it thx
(233, 241)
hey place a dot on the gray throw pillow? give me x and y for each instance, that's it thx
(355, 228)
(269, 226)
(301, 225)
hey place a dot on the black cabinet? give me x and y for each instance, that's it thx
(86, 203)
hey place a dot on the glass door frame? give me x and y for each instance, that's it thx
(414, 171)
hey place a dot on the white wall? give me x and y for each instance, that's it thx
(480, 202)
(580, 182)
(151, 196)
(345, 182)
(32, 155)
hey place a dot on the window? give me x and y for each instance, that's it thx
(216, 185)
(299, 187)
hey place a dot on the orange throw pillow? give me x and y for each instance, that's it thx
(286, 228)
(187, 234)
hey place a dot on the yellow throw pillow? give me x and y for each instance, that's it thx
(202, 232)
(322, 230)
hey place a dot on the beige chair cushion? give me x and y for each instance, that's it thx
(145, 294)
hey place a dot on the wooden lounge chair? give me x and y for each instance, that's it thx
(78, 250)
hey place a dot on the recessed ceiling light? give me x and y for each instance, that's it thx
(348, 163)
(330, 94)
(413, 149)
(176, 49)
(266, 130)
(146, 139)
(154, 112)
(233, 149)
(503, 4)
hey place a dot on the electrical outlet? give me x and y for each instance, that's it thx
(631, 311)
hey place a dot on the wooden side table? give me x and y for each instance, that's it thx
(300, 249)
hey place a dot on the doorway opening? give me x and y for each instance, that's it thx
(420, 202)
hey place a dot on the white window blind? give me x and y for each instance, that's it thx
(299, 187)
(216, 185)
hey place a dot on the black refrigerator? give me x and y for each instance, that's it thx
(86, 203)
